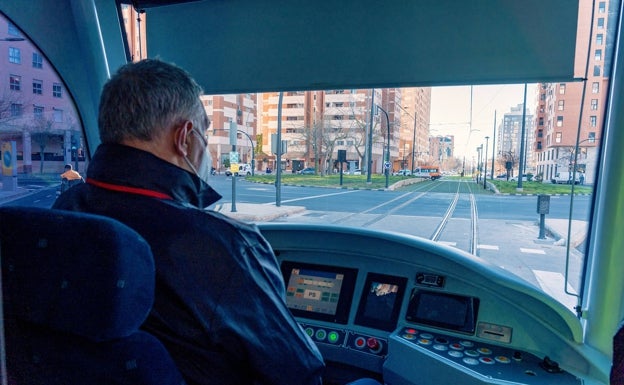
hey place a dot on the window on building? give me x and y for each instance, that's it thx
(541, 121)
(591, 137)
(57, 90)
(598, 55)
(596, 70)
(593, 120)
(337, 117)
(15, 82)
(559, 121)
(16, 109)
(349, 143)
(600, 22)
(340, 142)
(599, 39)
(560, 104)
(15, 55)
(291, 118)
(540, 133)
(37, 87)
(541, 108)
(12, 30)
(37, 60)
(595, 87)
(602, 7)
(58, 115)
(38, 112)
(594, 104)
(539, 145)
(562, 88)
(558, 136)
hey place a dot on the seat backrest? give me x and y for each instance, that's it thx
(617, 369)
(76, 288)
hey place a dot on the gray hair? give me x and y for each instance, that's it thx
(144, 99)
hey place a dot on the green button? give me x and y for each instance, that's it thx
(333, 337)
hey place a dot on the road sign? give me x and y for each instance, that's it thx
(387, 165)
(233, 157)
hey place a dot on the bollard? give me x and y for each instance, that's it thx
(543, 207)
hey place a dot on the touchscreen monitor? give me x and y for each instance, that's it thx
(319, 292)
(380, 301)
(444, 310)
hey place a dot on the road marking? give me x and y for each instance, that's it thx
(532, 251)
(316, 196)
(552, 283)
(487, 247)
(447, 243)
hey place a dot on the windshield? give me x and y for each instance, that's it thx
(503, 172)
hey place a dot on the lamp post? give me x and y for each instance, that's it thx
(387, 160)
(253, 160)
(487, 138)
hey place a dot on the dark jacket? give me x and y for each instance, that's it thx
(220, 307)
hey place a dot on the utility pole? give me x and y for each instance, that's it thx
(485, 167)
(369, 145)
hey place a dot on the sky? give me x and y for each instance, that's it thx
(450, 112)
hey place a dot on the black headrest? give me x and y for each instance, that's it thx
(75, 272)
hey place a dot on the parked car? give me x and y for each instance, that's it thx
(403, 172)
(525, 178)
(308, 171)
(357, 171)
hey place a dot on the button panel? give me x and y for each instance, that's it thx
(488, 360)
(347, 339)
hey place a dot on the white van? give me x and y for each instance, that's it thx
(565, 177)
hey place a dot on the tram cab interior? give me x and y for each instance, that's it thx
(400, 305)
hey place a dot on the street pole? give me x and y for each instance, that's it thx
(369, 145)
(493, 147)
(485, 163)
(278, 154)
(414, 142)
(522, 134)
(387, 146)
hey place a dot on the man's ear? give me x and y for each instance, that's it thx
(180, 136)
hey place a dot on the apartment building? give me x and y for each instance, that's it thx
(509, 137)
(36, 112)
(567, 112)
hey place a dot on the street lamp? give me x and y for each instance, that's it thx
(253, 160)
(387, 161)
(487, 138)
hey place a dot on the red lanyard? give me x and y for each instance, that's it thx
(130, 190)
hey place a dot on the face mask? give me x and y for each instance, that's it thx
(203, 172)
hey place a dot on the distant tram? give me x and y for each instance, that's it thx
(429, 172)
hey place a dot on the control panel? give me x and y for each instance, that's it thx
(348, 339)
(474, 362)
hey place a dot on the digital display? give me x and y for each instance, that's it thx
(319, 291)
(448, 311)
(380, 302)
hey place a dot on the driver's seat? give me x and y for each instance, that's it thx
(76, 288)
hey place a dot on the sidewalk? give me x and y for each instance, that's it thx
(558, 228)
(250, 212)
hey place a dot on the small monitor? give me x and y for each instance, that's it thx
(443, 310)
(380, 302)
(319, 292)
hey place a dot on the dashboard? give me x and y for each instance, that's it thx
(410, 311)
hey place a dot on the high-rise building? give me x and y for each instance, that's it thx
(509, 140)
(571, 112)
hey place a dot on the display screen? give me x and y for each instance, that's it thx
(380, 302)
(448, 311)
(319, 291)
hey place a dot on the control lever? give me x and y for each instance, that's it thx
(550, 366)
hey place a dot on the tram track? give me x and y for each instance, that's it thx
(473, 225)
(463, 195)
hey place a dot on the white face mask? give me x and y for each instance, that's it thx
(205, 164)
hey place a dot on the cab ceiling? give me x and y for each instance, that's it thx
(238, 46)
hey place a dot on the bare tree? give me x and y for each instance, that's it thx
(41, 131)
